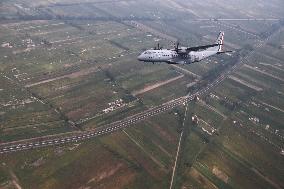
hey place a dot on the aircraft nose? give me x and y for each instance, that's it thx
(140, 57)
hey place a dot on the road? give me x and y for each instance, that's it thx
(239, 19)
(107, 129)
(126, 122)
(178, 148)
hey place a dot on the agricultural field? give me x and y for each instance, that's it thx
(70, 66)
(139, 157)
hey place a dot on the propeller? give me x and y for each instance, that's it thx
(158, 47)
(177, 47)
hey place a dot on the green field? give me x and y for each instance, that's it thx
(64, 62)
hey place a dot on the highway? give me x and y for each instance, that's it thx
(107, 129)
(126, 122)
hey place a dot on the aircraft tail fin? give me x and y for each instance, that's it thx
(220, 41)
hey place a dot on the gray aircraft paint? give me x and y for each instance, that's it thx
(183, 55)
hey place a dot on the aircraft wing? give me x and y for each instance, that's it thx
(221, 52)
(201, 47)
(178, 60)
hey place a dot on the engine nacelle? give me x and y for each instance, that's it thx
(183, 50)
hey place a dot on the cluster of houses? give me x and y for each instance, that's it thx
(114, 105)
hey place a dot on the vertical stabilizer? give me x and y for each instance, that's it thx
(220, 41)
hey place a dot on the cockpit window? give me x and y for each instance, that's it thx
(147, 52)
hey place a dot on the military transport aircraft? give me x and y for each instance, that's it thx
(183, 55)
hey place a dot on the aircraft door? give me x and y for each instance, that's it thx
(193, 57)
(196, 58)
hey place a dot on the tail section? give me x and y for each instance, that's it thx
(220, 41)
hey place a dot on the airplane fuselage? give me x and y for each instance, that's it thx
(172, 57)
(183, 55)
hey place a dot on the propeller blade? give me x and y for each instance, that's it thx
(177, 47)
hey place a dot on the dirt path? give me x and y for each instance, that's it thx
(147, 153)
(71, 76)
(163, 149)
(258, 89)
(180, 7)
(201, 179)
(153, 31)
(7, 129)
(276, 108)
(232, 27)
(40, 26)
(233, 46)
(68, 39)
(273, 66)
(13, 177)
(270, 57)
(151, 87)
(205, 122)
(178, 148)
(187, 71)
(213, 109)
(263, 72)
(266, 178)
(15, 180)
